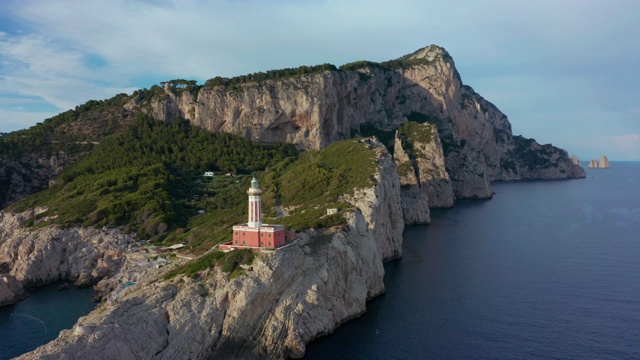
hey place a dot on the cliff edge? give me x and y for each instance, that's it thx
(33, 257)
(286, 299)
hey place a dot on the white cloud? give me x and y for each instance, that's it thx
(547, 64)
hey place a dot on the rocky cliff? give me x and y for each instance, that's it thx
(318, 109)
(28, 174)
(421, 165)
(575, 160)
(30, 257)
(286, 299)
(604, 162)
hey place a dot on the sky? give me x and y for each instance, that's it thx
(565, 72)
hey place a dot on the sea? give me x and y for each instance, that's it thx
(544, 270)
(40, 317)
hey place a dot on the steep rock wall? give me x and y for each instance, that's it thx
(415, 198)
(31, 257)
(316, 110)
(285, 300)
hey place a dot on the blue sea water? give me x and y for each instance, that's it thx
(39, 318)
(544, 270)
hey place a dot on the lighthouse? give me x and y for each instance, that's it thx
(255, 204)
(254, 234)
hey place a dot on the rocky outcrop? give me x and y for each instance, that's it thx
(575, 160)
(415, 199)
(593, 164)
(11, 290)
(425, 182)
(286, 299)
(604, 162)
(31, 257)
(318, 109)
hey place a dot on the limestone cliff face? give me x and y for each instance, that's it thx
(36, 257)
(575, 160)
(286, 299)
(316, 110)
(425, 182)
(593, 164)
(415, 199)
(604, 162)
(11, 290)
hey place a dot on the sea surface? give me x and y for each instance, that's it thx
(39, 318)
(544, 270)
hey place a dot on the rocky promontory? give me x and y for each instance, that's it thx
(33, 257)
(286, 299)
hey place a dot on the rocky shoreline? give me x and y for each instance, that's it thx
(42, 256)
(286, 299)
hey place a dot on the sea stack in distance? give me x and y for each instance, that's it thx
(603, 164)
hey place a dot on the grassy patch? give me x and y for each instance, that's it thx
(317, 181)
(229, 262)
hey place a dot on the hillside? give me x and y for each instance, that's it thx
(308, 106)
(148, 179)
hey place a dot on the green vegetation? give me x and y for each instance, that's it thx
(140, 179)
(149, 180)
(411, 133)
(181, 85)
(71, 131)
(229, 262)
(316, 181)
(405, 168)
(362, 64)
(232, 83)
(526, 152)
(403, 62)
(415, 132)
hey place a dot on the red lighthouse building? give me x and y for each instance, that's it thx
(255, 234)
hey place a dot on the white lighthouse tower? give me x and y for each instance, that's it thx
(255, 205)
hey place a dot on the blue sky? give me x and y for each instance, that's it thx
(564, 72)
